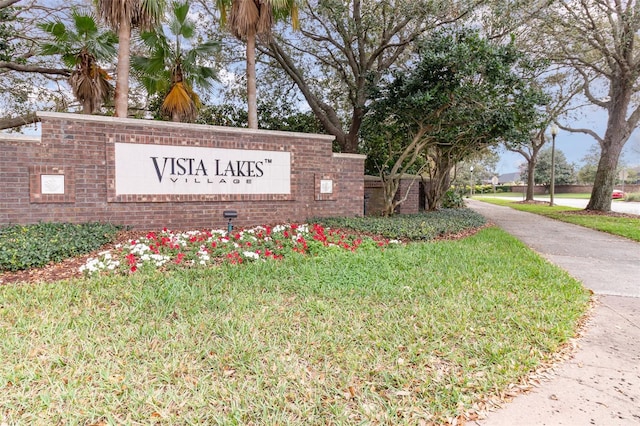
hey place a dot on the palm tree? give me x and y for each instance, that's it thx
(122, 16)
(251, 18)
(172, 71)
(81, 48)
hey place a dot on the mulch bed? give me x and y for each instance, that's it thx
(68, 268)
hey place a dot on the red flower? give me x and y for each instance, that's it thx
(134, 268)
(179, 258)
(131, 258)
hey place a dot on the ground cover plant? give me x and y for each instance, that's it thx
(627, 226)
(32, 246)
(424, 226)
(399, 334)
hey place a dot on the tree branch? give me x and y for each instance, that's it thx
(7, 3)
(34, 69)
(585, 131)
(10, 123)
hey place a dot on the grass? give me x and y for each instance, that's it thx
(627, 227)
(581, 196)
(412, 333)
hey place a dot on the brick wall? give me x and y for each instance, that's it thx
(374, 195)
(81, 148)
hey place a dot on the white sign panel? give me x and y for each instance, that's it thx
(326, 186)
(52, 184)
(166, 169)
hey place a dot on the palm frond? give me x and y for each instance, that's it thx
(90, 83)
(243, 18)
(265, 21)
(166, 65)
(178, 103)
(85, 24)
(206, 48)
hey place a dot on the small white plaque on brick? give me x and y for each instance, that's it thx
(52, 184)
(326, 186)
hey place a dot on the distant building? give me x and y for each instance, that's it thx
(509, 178)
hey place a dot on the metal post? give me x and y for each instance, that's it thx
(552, 187)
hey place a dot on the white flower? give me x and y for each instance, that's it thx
(251, 255)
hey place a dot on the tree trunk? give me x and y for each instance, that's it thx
(616, 135)
(252, 102)
(605, 178)
(390, 187)
(351, 140)
(531, 168)
(86, 107)
(122, 70)
(440, 182)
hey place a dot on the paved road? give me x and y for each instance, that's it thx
(600, 385)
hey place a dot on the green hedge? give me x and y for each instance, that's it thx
(29, 246)
(635, 196)
(487, 189)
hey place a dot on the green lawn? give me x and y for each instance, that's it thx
(412, 333)
(621, 226)
(520, 195)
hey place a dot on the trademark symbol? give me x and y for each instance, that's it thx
(268, 160)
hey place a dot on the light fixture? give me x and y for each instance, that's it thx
(230, 214)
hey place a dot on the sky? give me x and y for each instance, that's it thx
(576, 145)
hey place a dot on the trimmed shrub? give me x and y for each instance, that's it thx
(31, 246)
(635, 196)
(452, 200)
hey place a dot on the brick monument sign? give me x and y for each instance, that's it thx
(152, 174)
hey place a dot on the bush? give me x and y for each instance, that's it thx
(423, 226)
(635, 196)
(452, 200)
(30, 246)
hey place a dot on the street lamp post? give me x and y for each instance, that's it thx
(552, 187)
(472, 182)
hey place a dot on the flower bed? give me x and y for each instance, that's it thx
(168, 249)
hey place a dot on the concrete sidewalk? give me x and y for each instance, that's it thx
(600, 385)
